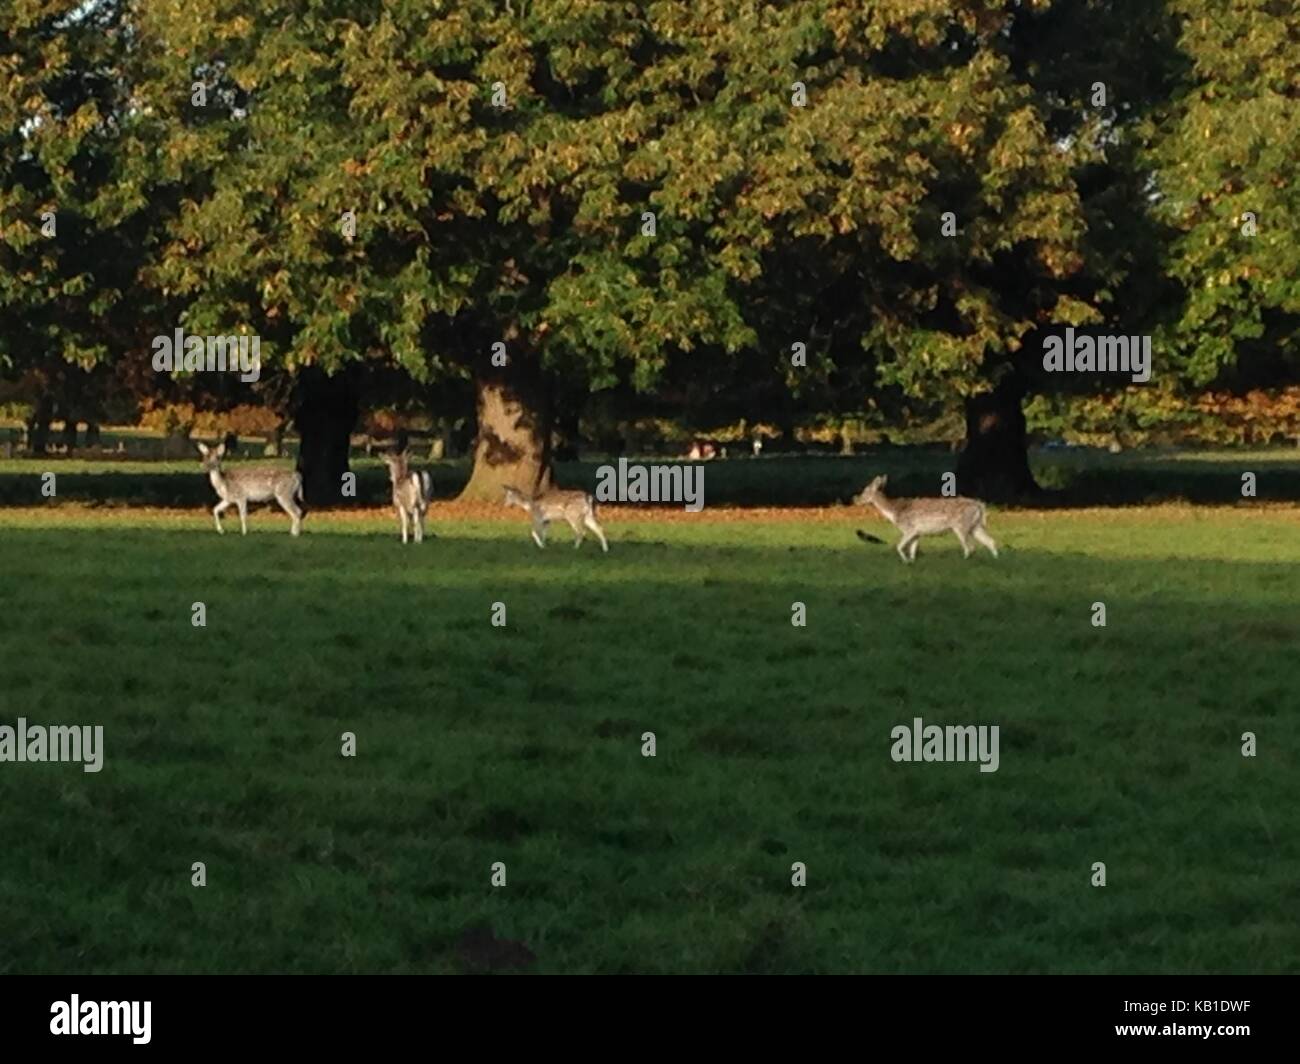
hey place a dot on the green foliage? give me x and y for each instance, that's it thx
(477, 222)
(1138, 416)
(522, 222)
(1228, 150)
(62, 89)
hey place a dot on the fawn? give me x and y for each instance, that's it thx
(921, 517)
(411, 493)
(239, 487)
(576, 507)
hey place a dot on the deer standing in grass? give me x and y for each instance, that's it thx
(239, 487)
(922, 517)
(576, 507)
(411, 492)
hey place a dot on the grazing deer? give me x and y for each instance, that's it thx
(576, 507)
(922, 517)
(411, 492)
(239, 487)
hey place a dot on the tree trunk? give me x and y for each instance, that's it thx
(786, 442)
(326, 411)
(38, 425)
(513, 448)
(70, 434)
(567, 430)
(994, 463)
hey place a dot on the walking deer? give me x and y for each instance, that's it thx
(238, 487)
(576, 507)
(915, 518)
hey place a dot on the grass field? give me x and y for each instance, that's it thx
(522, 744)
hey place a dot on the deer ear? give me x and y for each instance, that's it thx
(203, 449)
(880, 480)
(221, 449)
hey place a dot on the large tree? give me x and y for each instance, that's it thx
(69, 255)
(1178, 119)
(597, 191)
(563, 195)
(1225, 165)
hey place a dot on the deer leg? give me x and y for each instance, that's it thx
(965, 543)
(907, 547)
(591, 523)
(987, 540)
(291, 508)
(217, 511)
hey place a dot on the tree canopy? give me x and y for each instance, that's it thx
(627, 194)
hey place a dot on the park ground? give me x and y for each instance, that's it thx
(522, 744)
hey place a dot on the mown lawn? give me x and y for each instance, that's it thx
(523, 745)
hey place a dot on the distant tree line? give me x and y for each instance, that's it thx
(502, 214)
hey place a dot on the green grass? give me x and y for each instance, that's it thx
(522, 745)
